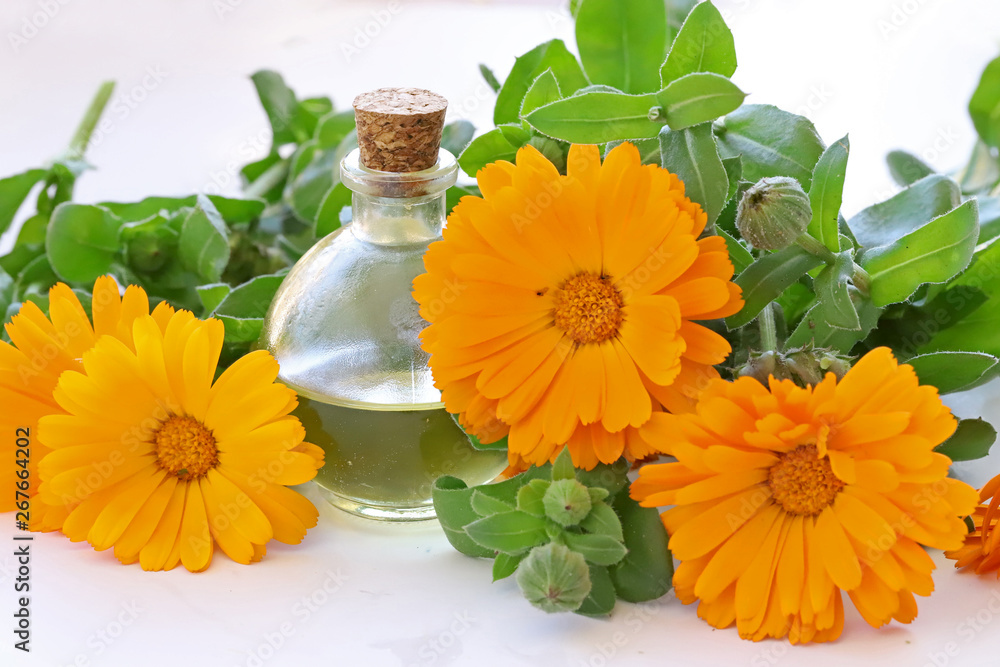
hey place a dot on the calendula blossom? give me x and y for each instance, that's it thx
(981, 551)
(153, 458)
(41, 349)
(783, 498)
(562, 308)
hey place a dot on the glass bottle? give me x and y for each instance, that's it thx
(345, 328)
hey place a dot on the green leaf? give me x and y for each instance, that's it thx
(704, 44)
(13, 191)
(279, 104)
(453, 505)
(931, 254)
(697, 98)
(485, 149)
(505, 565)
(510, 532)
(543, 90)
(33, 230)
(734, 172)
(602, 597)
(529, 497)
(330, 209)
(496, 445)
(814, 326)
(677, 11)
(970, 441)
(212, 295)
(768, 277)
(694, 157)
(82, 241)
(551, 55)
(975, 332)
(954, 371)
(612, 477)
(831, 285)
(456, 136)
(313, 174)
(333, 128)
(563, 466)
(738, 254)
(204, 241)
(826, 194)
(989, 218)
(772, 142)
(647, 570)
(597, 117)
(906, 168)
(233, 211)
(623, 42)
(984, 107)
(485, 505)
(242, 311)
(602, 520)
(908, 210)
(597, 549)
(489, 77)
(982, 172)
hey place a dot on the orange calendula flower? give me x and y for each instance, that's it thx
(153, 458)
(43, 348)
(784, 498)
(981, 552)
(561, 308)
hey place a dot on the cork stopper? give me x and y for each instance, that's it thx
(399, 129)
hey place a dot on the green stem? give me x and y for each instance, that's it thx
(271, 177)
(862, 281)
(768, 329)
(78, 145)
(814, 247)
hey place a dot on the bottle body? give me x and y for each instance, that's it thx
(345, 330)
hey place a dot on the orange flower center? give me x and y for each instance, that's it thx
(802, 482)
(185, 447)
(588, 308)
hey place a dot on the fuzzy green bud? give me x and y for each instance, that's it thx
(806, 366)
(567, 502)
(554, 578)
(773, 213)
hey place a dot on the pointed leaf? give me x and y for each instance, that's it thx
(484, 149)
(970, 441)
(907, 210)
(505, 565)
(694, 157)
(646, 572)
(826, 194)
(831, 287)
(82, 241)
(772, 142)
(597, 549)
(623, 43)
(13, 191)
(601, 600)
(204, 241)
(984, 107)
(931, 254)
(815, 328)
(697, 98)
(906, 168)
(551, 55)
(954, 371)
(597, 117)
(543, 90)
(563, 466)
(602, 520)
(704, 44)
(488, 505)
(767, 278)
(510, 532)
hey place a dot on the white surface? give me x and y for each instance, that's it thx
(401, 595)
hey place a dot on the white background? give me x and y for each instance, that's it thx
(894, 73)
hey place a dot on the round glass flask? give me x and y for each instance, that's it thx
(345, 328)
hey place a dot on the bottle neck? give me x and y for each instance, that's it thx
(404, 208)
(398, 220)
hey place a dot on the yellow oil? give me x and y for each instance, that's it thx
(383, 459)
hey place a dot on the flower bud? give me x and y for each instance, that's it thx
(567, 502)
(805, 366)
(554, 578)
(773, 213)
